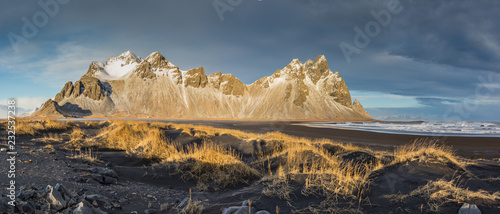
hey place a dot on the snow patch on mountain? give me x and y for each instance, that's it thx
(154, 86)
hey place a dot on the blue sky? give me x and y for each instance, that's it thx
(439, 60)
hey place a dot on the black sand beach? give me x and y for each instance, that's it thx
(470, 146)
(119, 182)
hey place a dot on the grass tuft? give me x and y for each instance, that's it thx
(437, 193)
(211, 165)
(426, 150)
(36, 127)
(86, 155)
(192, 207)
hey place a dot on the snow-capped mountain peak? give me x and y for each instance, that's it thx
(116, 67)
(155, 86)
(129, 54)
(125, 58)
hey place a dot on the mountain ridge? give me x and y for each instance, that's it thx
(128, 85)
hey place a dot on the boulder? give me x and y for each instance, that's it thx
(55, 198)
(92, 181)
(97, 197)
(26, 207)
(469, 209)
(83, 208)
(231, 210)
(64, 192)
(104, 171)
(244, 210)
(99, 178)
(109, 180)
(86, 208)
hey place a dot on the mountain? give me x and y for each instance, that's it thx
(29, 113)
(127, 85)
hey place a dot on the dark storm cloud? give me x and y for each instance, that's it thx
(448, 44)
(457, 33)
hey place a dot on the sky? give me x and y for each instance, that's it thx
(435, 60)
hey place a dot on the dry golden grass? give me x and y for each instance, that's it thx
(203, 131)
(439, 192)
(49, 138)
(208, 164)
(211, 165)
(77, 139)
(426, 150)
(288, 160)
(36, 127)
(28, 127)
(317, 168)
(91, 124)
(278, 185)
(56, 125)
(139, 139)
(153, 145)
(77, 135)
(3, 124)
(87, 155)
(298, 156)
(123, 135)
(326, 175)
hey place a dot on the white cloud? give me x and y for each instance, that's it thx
(384, 100)
(4, 111)
(28, 103)
(68, 63)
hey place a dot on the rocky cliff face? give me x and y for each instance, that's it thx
(51, 109)
(154, 86)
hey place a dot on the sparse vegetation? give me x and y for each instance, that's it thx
(50, 138)
(138, 139)
(211, 166)
(425, 150)
(286, 166)
(92, 124)
(86, 155)
(440, 192)
(36, 127)
(153, 145)
(192, 207)
(77, 135)
(289, 158)
(278, 186)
